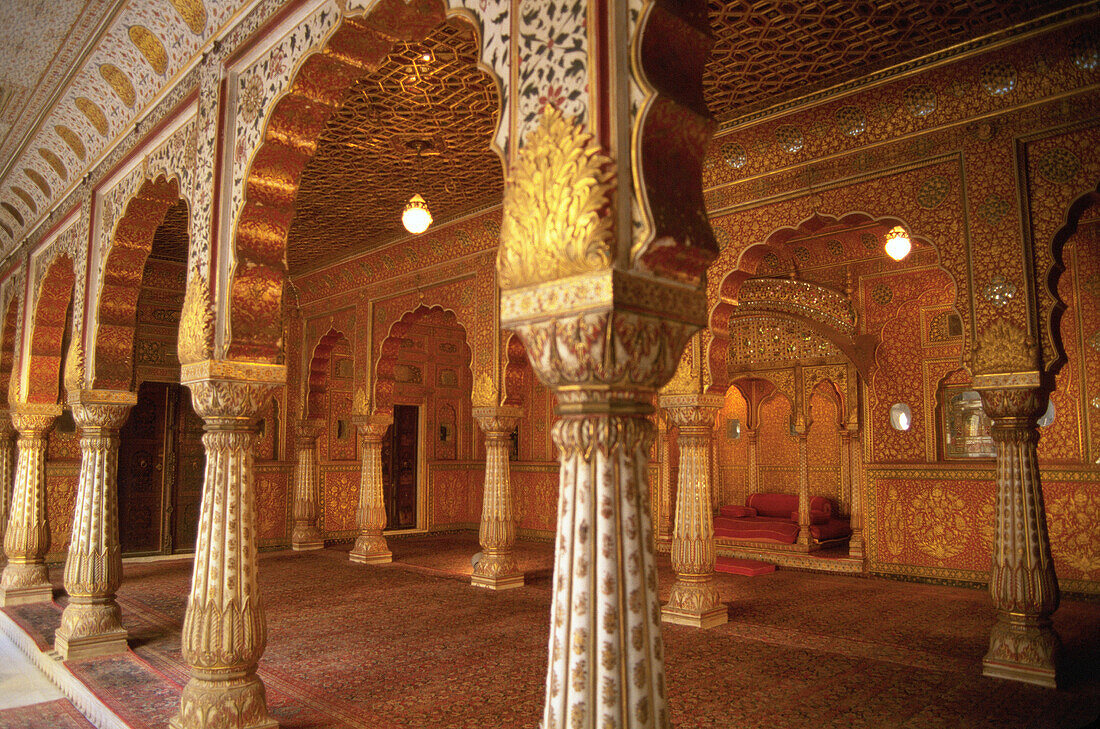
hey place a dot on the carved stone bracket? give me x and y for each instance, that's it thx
(91, 623)
(694, 599)
(370, 546)
(305, 535)
(497, 569)
(224, 629)
(26, 578)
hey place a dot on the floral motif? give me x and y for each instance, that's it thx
(553, 48)
(938, 519)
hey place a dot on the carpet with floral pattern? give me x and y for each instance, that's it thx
(412, 644)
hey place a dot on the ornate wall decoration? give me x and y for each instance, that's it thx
(1004, 347)
(939, 523)
(196, 337)
(561, 186)
(1073, 534)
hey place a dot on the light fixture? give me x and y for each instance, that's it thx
(416, 217)
(897, 243)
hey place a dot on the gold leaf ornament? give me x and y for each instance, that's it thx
(74, 367)
(196, 338)
(556, 221)
(1003, 347)
(485, 392)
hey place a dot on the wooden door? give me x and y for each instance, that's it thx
(141, 470)
(399, 467)
(189, 469)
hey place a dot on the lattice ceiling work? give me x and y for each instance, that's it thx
(770, 51)
(353, 191)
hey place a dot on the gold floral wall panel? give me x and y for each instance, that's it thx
(61, 481)
(535, 490)
(456, 494)
(271, 504)
(339, 498)
(778, 448)
(823, 449)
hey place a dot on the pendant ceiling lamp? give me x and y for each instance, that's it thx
(417, 218)
(898, 244)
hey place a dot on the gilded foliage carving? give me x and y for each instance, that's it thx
(555, 206)
(196, 336)
(74, 366)
(486, 393)
(1004, 347)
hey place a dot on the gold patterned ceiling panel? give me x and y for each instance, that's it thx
(354, 189)
(771, 51)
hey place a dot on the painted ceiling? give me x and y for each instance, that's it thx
(74, 77)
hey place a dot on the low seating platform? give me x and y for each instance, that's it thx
(773, 519)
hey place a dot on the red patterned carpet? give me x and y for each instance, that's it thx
(59, 714)
(413, 645)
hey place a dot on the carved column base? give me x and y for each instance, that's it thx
(497, 570)
(23, 584)
(223, 702)
(855, 545)
(90, 627)
(695, 602)
(1023, 648)
(306, 538)
(371, 550)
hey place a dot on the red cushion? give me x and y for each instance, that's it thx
(756, 529)
(832, 529)
(773, 504)
(816, 517)
(735, 511)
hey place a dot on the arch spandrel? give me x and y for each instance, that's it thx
(52, 300)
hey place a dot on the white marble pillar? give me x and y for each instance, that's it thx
(26, 578)
(224, 628)
(497, 568)
(694, 599)
(91, 624)
(370, 547)
(305, 535)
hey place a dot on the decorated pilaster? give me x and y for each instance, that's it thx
(224, 629)
(305, 534)
(803, 487)
(855, 461)
(7, 469)
(694, 599)
(91, 624)
(754, 460)
(1022, 644)
(370, 547)
(25, 578)
(497, 569)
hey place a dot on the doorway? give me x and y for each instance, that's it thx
(160, 472)
(399, 467)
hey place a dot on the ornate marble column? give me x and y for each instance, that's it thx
(497, 569)
(25, 578)
(91, 624)
(305, 535)
(803, 488)
(694, 599)
(224, 629)
(7, 470)
(855, 461)
(370, 547)
(1022, 644)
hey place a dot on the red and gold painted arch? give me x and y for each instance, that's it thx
(1090, 201)
(384, 380)
(116, 316)
(7, 347)
(317, 383)
(358, 46)
(48, 331)
(516, 366)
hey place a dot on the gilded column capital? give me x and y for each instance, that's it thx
(373, 427)
(498, 420)
(101, 408)
(225, 390)
(694, 411)
(34, 419)
(309, 430)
